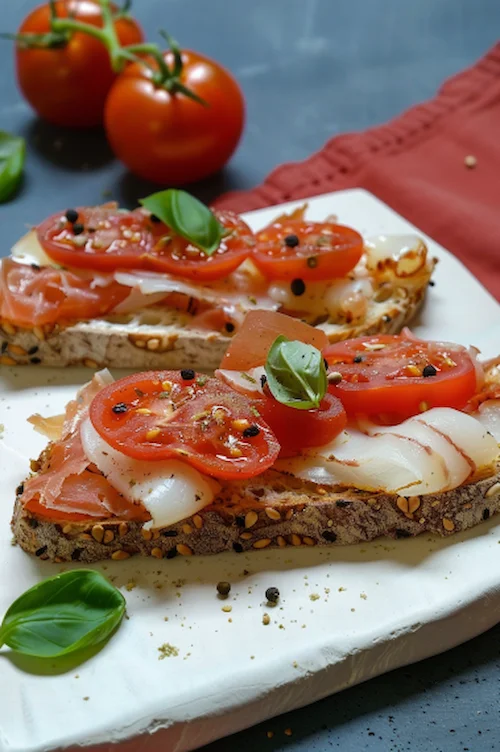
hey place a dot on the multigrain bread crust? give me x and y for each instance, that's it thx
(159, 339)
(273, 510)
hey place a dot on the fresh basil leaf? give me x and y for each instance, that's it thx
(188, 217)
(296, 374)
(71, 611)
(12, 153)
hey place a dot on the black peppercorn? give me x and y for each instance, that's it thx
(357, 359)
(78, 228)
(429, 370)
(223, 588)
(237, 548)
(35, 361)
(188, 374)
(272, 594)
(263, 380)
(312, 262)
(229, 327)
(298, 286)
(251, 431)
(291, 241)
(71, 215)
(120, 407)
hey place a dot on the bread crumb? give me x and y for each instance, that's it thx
(131, 584)
(342, 589)
(86, 698)
(167, 650)
(295, 664)
(363, 596)
(227, 609)
(314, 597)
(288, 732)
(353, 609)
(266, 619)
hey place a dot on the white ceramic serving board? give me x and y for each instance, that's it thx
(345, 614)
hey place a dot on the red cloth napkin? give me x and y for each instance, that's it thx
(417, 165)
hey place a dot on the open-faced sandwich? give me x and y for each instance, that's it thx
(294, 441)
(168, 284)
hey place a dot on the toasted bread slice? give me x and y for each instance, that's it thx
(159, 338)
(271, 510)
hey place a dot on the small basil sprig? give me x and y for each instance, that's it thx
(188, 217)
(296, 374)
(71, 611)
(12, 154)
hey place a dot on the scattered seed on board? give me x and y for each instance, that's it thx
(470, 161)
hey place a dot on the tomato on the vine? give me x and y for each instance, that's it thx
(67, 83)
(165, 136)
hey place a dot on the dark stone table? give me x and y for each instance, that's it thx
(309, 69)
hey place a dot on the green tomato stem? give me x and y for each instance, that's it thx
(106, 35)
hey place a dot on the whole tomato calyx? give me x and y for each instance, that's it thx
(163, 74)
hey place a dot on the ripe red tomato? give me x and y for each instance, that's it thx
(298, 429)
(170, 138)
(101, 237)
(106, 238)
(400, 376)
(181, 258)
(162, 414)
(34, 297)
(67, 85)
(300, 250)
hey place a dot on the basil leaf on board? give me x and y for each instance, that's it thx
(296, 374)
(62, 614)
(12, 153)
(188, 217)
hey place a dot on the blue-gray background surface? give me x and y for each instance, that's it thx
(309, 69)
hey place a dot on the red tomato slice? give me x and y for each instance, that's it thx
(105, 238)
(161, 414)
(34, 297)
(249, 347)
(400, 377)
(102, 238)
(300, 250)
(298, 429)
(181, 258)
